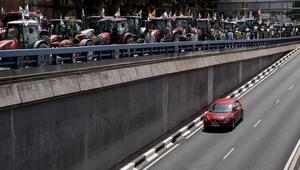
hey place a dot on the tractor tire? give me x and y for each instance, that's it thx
(176, 38)
(130, 40)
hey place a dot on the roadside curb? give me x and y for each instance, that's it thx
(165, 144)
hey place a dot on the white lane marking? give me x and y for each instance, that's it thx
(287, 165)
(256, 123)
(291, 87)
(277, 101)
(231, 150)
(152, 163)
(194, 132)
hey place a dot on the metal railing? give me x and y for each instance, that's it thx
(38, 57)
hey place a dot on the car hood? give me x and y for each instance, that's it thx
(217, 116)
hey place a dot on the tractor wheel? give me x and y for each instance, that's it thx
(176, 38)
(130, 40)
(90, 53)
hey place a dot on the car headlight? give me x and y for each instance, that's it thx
(226, 120)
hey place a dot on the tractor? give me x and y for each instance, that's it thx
(206, 28)
(112, 31)
(137, 27)
(160, 30)
(183, 30)
(64, 32)
(43, 24)
(23, 34)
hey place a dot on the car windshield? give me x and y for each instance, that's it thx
(221, 108)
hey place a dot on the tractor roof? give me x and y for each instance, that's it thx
(17, 13)
(183, 17)
(66, 20)
(20, 22)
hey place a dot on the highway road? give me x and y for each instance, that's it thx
(263, 141)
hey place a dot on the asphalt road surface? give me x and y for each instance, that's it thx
(263, 141)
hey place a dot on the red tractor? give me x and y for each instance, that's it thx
(205, 25)
(160, 30)
(23, 34)
(137, 27)
(112, 31)
(66, 33)
(183, 30)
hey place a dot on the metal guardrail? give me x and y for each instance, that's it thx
(38, 57)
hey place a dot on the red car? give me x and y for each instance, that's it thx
(223, 113)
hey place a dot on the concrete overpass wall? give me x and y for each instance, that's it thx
(92, 121)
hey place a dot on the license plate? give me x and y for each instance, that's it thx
(215, 125)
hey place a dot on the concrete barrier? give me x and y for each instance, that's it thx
(96, 127)
(89, 81)
(9, 95)
(35, 90)
(64, 85)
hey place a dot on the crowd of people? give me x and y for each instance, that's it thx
(237, 30)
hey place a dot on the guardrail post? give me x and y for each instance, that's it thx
(18, 63)
(86, 57)
(116, 53)
(132, 51)
(54, 59)
(37, 61)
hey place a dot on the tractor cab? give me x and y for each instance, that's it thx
(137, 27)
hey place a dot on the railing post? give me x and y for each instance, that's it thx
(37, 61)
(73, 58)
(54, 59)
(99, 56)
(86, 57)
(18, 63)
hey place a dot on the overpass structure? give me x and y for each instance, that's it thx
(101, 115)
